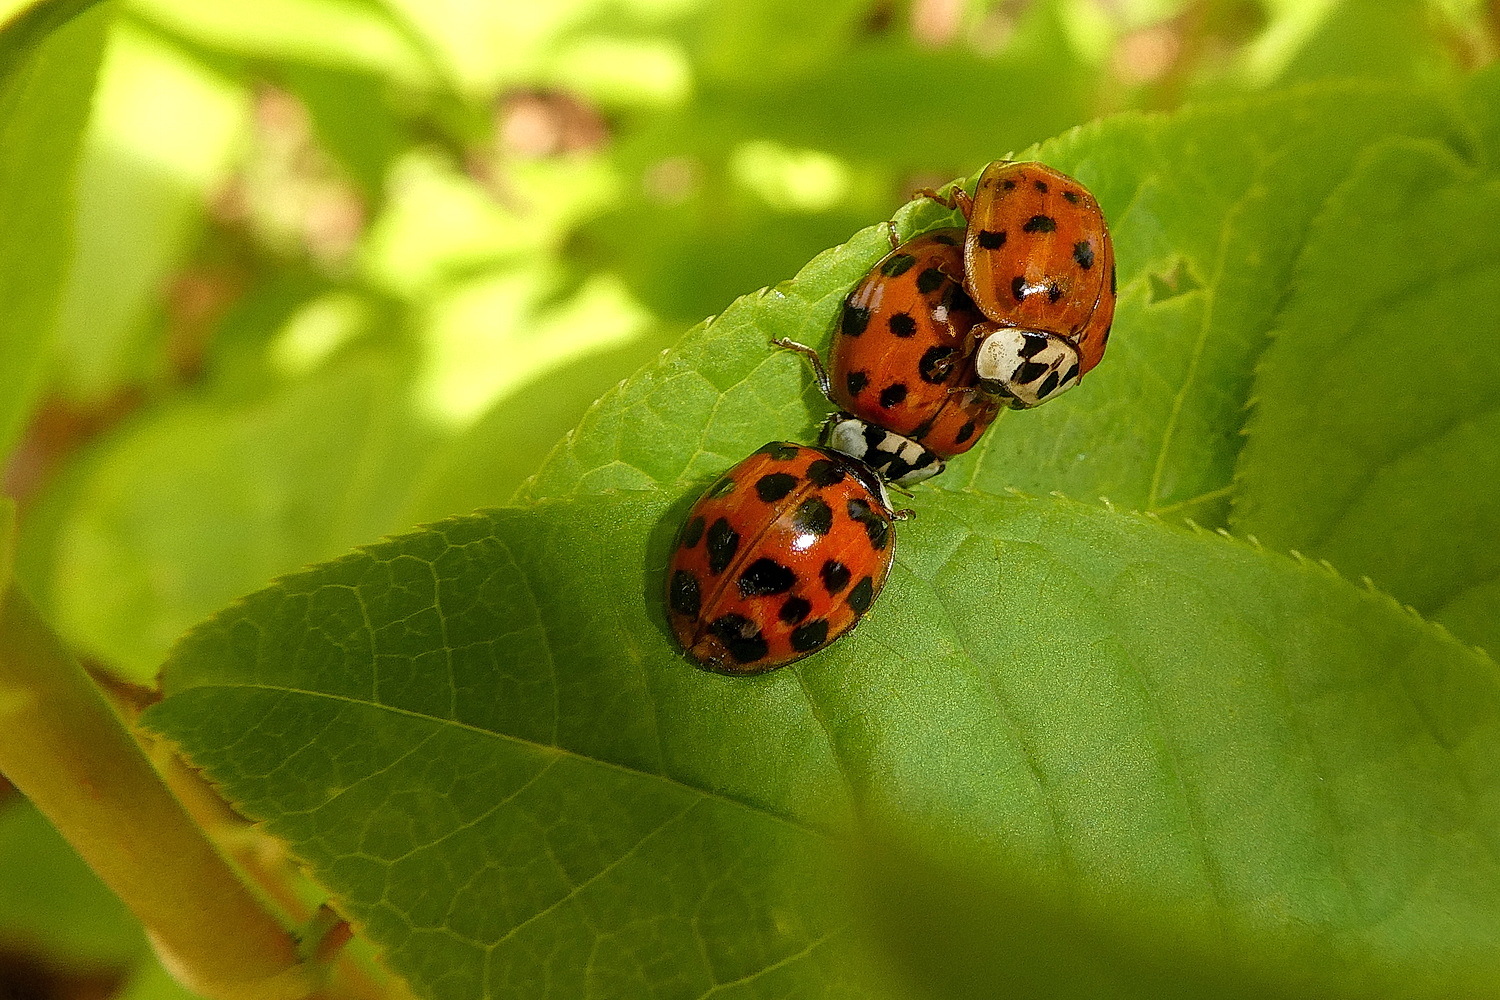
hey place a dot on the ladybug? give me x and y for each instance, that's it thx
(901, 363)
(780, 557)
(1039, 264)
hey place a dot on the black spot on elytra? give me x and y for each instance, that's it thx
(1071, 197)
(854, 320)
(741, 637)
(794, 610)
(1029, 371)
(936, 364)
(1018, 287)
(691, 532)
(875, 526)
(824, 473)
(723, 543)
(964, 433)
(806, 638)
(1033, 344)
(766, 576)
(780, 451)
(813, 515)
(722, 488)
(946, 239)
(892, 394)
(1047, 386)
(903, 325)
(774, 486)
(897, 264)
(835, 576)
(860, 597)
(930, 280)
(1040, 224)
(856, 381)
(992, 239)
(1054, 292)
(1083, 253)
(1041, 186)
(1009, 185)
(685, 597)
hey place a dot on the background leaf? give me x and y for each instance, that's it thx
(45, 86)
(500, 689)
(50, 900)
(141, 187)
(1373, 442)
(147, 525)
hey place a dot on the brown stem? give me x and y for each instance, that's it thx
(63, 747)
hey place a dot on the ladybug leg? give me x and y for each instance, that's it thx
(893, 236)
(819, 372)
(905, 513)
(956, 197)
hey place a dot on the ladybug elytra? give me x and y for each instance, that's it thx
(779, 558)
(900, 367)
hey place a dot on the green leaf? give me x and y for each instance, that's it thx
(1482, 101)
(1379, 39)
(480, 738)
(301, 475)
(354, 119)
(940, 909)
(25, 24)
(1208, 210)
(162, 136)
(45, 86)
(1373, 439)
(357, 35)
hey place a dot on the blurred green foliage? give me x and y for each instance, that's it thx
(312, 271)
(472, 219)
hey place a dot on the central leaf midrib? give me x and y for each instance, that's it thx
(522, 741)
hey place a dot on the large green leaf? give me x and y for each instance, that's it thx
(46, 81)
(481, 740)
(1373, 440)
(1208, 210)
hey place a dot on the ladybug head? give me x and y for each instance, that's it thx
(895, 459)
(1024, 368)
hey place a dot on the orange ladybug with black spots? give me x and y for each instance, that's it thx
(780, 557)
(1040, 265)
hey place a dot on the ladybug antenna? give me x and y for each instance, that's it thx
(819, 372)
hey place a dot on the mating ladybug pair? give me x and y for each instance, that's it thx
(791, 547)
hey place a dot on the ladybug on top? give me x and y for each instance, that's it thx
(1039, 264)
(901, 376)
